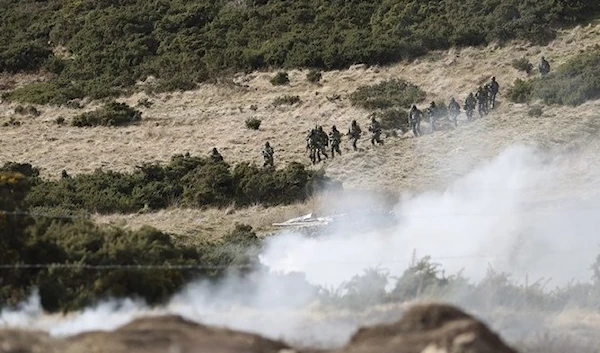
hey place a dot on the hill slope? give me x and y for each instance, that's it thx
(214, 116)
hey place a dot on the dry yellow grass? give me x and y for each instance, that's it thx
(214, 115)
(191, 225)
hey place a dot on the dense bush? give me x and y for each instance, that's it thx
(573, 83)
(115, 44)
(112, 114)
(281, 78)
(286, 100)
(83, 246)
(313, 76)
(253, 123)
(392, 119)
(521, 91)
(192, 181)
(522, 65)
(388, 94)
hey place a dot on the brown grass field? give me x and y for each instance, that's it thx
(214, 116)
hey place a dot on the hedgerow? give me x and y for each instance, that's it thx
(112, 44)
(186, 180)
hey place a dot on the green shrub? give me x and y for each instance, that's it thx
(522, 65)
(392, 119)
(521, 91)
(573, 83)
(253, 123)
(313, 76)
(52, 92)
(193, 181)
(112, 114)
(535, 111)
(286, 100)
(55, 65)
(23, 56)
(388, 94)
(59, 120)
(281, 78)
(29, 110)
(145, 102)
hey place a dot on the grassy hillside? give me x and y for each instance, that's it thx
(101, 48)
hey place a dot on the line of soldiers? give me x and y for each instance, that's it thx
(483, 100)
(318, 141)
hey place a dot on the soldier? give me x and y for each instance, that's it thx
(215, 156)
(470, 104)
(454, 110)
(481, 101)
(375, 129)
(64, 175)
(544, 67)
(414, 120)
(268, 153)
(354, 133)
(323, 142)
(335, 138)
(312, 144)
(494, 88)
(432, 113)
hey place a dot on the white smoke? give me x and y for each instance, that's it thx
(487, 218)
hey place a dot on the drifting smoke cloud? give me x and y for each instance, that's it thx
(484, 219)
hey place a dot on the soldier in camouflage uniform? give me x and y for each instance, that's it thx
(312, 144)
(432, 113)
(544, 67)
(323, 142)
(494, 89)
(414, 120)
(268, 154)
(481, 101)
(335, 139)
(470, 104)
(354, 133)
(375, 129)
(454, 110)
(215, 156)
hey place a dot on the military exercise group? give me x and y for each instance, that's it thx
(319, 143)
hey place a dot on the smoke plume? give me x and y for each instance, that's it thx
(489, 218)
